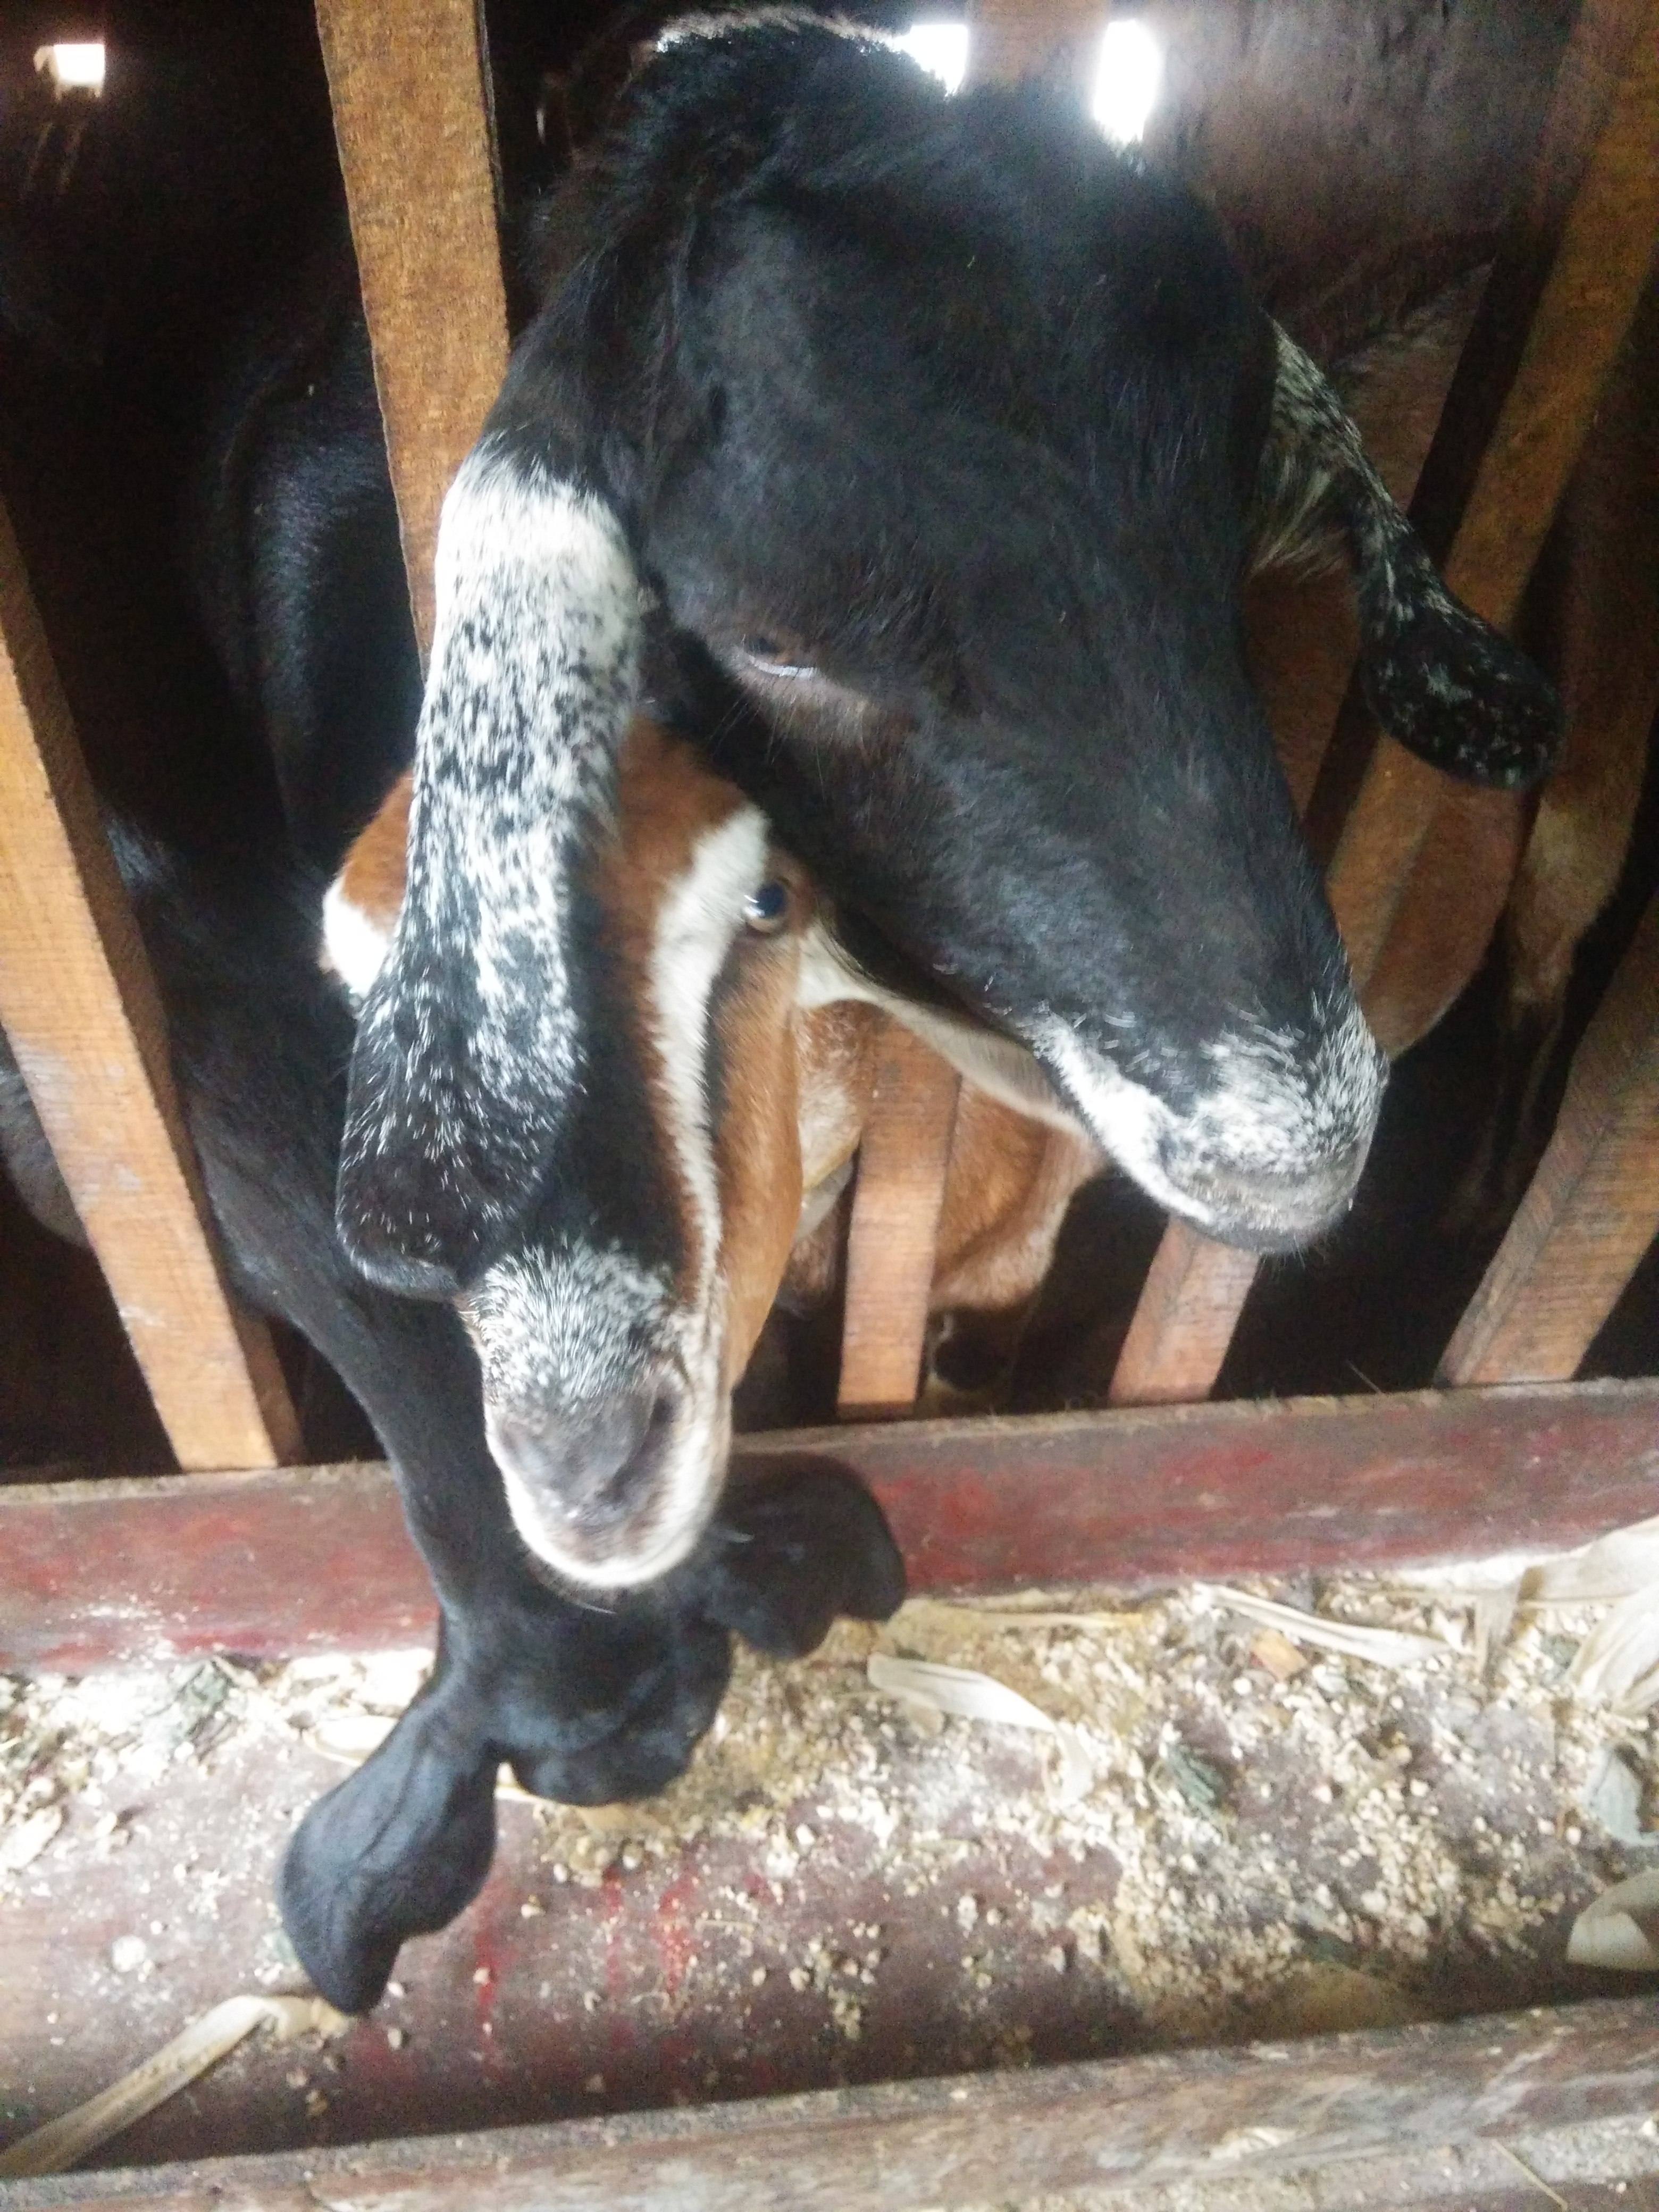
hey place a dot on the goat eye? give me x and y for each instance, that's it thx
(766, 909)
(769, 658)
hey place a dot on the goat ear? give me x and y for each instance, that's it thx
(469, 1045)
(398, 1850)
(1445, 684)
(796, 1549)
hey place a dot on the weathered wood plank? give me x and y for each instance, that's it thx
(893, 1230)
(1589, 218)
(1593, 1206)
(406, 80)
(1263, 2109)
(93, 1573)
(79, 1005)
(1184, 1321)
(1598, 270)
(1012, 39)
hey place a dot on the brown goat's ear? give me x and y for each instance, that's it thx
(1444, 682)
(470, 1045)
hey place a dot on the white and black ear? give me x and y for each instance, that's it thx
(469, 1043)
(1444, 682)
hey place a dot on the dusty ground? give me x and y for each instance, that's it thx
(1218, 1837)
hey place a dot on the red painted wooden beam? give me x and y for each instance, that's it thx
(304, 1559)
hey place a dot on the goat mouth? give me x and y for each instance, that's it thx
(1266, 1220)
(1268, 1155)
(617, 1497)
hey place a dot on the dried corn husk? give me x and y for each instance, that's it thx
(1615, 1565)
(948, 1616)
(1617, 1929)
(1613, 1795)
(963, 1692)
(57, 2146)
(1494, 1616)
(1386, 1647)
(1617, 1663)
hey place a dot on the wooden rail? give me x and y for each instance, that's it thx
(107, 1572)
(1593, 1207)
(1388, 2116)
(406, 80)
(79, 1006)
(1602, 130)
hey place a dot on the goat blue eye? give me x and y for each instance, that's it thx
(766, 909)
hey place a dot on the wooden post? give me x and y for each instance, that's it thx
(406, 80)
(897, 1202)
(79, 1005)
(1593, 1207)
(1194, 1292)
(1596, 278)
(1012, 39)
(1601, 133)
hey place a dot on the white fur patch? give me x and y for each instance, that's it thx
(354, 944)
(697, 924)
(1276, 1113)
(558, 1331)
(1004, 1069)
(816, 1203)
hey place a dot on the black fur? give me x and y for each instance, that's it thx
(967, 409)
(404, 1844)
(229, 790)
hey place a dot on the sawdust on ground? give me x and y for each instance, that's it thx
(1244, 1830)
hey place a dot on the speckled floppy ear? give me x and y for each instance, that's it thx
(469, 1047)
(1444, 682)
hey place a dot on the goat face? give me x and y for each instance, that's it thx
(958, 500)
(944, 434)
(992, 643)
(612, 1330)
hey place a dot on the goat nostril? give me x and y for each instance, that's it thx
(586, 1465)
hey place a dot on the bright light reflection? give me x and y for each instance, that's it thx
(1127, 80)
(941, 49)
(74, 66)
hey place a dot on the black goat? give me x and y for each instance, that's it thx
(228, 807)
(941, 436)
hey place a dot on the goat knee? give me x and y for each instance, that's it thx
(796, 1549)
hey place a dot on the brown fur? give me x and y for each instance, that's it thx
(1592, 616)
(796, 1083)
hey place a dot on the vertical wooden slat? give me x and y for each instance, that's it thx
(1604, 135)
(1184, 1321)
(895, 1225)
(406, 80)
(79, 1005)
(1595, 282)
(1012, 39)
(1593, 1207)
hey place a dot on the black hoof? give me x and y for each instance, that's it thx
(396, 1851)
(796, 1548)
